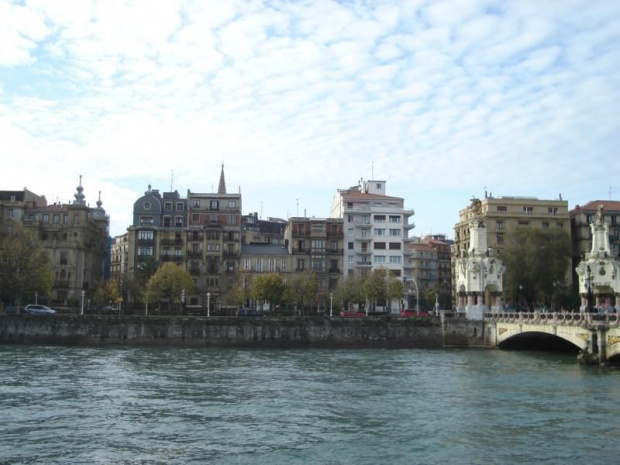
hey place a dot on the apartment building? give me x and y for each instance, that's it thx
(201, 233)
(504, 214)
(119, 258)
(316, 245)
(258, 231)
(74, 235)
(376, 229)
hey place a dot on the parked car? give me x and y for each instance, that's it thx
(409, 312)
(248, 312)
(349, 314)
(39, 310)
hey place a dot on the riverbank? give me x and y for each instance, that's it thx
(428, 332)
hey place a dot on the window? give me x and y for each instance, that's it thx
(318, 264)
(350, 232)
(300, 264)
(180, 207)
(317, 244)
(528, 210)
(379, 258)
(300, 246)
(231, 219)
(144, 220)
(379, 245)
(559, 225)
(145, 235)
(178, 221)
(66, 218)
(502, 208)
(10, 213)
(394, 219)
(395, 260)
(524, 223)
(214, 205)
(553, 211)
(196, 203)
(545, 225)
(350, 258)
(232, 204)
(177, 252)
(168, 206)
(259, 264)
(380, 218)
(499, 225)
(46, 218)
(63, 257)
(145, 251)
(500, 239)
(334, 246)
(272, 265)
(350, 245)
(394, 245)
(379, 232)
(395, 232)
(213, 218)
(283, 264)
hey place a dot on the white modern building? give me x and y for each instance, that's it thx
(376, 229)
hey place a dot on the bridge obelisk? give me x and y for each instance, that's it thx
(479, 271)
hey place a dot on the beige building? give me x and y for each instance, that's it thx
(503, 214)
(583, 216)
(119, 258)
(74, 235)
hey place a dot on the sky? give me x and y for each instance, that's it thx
(443, 100)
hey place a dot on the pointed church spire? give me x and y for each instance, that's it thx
(222, 187)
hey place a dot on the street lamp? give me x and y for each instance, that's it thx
(36, 297)
(331, 304)
(83, 294)
(208, 304)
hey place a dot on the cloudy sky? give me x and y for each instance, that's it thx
(442, 99)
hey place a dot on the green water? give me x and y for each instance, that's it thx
(128, 405)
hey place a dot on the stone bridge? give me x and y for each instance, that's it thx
(597, 336)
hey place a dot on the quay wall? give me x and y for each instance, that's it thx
(231, 331)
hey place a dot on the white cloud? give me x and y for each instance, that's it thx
(300, 98)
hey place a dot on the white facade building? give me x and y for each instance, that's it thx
(376, 229)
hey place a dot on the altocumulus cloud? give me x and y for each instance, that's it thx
(298, 98)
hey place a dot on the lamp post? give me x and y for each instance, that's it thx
(436, 304)
(208, 304)
(83, 294)
(331, 304)
(36, 297)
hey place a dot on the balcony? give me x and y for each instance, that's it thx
(363, 238)
(409, 226)
(194, 254)
(171, 241)
(145, 241)
(231, 254)
(335, 251)
(334, 270)
(364, 264)
(61, 283)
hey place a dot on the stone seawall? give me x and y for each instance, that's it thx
(224, 331)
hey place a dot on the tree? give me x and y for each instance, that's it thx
(145, 268)
(349, 291)
(24, 265)
(268, 288)
(107, 292)
(394, 290)
(537, 261)
(375, 287)
(168, 284)
(302, 289)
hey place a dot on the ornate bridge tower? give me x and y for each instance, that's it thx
(599, 271)
(479, 271)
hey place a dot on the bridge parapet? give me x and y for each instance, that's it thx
(555, 318)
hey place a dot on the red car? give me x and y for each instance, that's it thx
(410, 312)
(352, 314)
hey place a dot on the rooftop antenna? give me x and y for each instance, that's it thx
(372, 169)
(171, 179)
(261, 210)
(297, 199)
(609, 192)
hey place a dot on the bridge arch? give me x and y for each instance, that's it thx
(576, 336)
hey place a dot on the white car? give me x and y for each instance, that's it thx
(39, 310)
